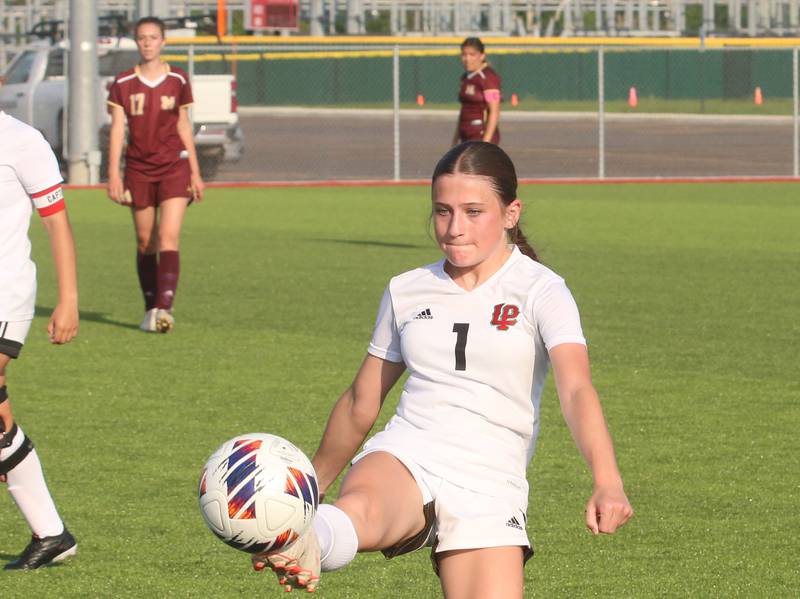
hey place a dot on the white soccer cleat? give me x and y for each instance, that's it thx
(149, 323)
(296, 566)
(164, 321)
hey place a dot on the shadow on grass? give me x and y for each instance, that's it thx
(372, 242)
(98, 317)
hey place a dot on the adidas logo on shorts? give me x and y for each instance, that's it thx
(424, 315)
(514, 523)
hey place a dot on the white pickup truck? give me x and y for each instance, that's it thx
(34, 91)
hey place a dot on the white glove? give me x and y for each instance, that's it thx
(296, 566)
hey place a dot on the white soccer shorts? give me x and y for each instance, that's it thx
(466, 519)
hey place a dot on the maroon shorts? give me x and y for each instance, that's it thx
(476, 134)
(146, 192)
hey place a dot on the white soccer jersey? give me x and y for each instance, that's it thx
(29, 176)
(477, 362)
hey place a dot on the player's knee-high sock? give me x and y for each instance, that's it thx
(28, 488)
(337, 537)
(147, 268)
(168, 271)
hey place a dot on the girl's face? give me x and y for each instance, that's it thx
(471, 58)
(149, 41)
(470, 221)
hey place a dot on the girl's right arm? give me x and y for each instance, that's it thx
(353, 416)
(116, 190)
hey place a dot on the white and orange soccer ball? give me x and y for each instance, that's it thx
(258, 492)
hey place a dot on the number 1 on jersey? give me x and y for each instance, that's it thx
(461, 329)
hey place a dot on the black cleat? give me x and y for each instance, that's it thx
(45, 552)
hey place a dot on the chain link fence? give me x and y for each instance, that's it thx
(367, 113)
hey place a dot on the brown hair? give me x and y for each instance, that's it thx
(488, 160)
(477, 44)
(473, 42)
(151, 21)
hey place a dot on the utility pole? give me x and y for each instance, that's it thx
(82, 154)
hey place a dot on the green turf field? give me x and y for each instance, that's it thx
(689, 298)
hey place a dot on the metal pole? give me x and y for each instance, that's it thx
(353, 17)
(601, 114)
(393, 28)
(396, 109)
(190, 72)
(317, 27)
(795, 119)
(83, 156)
(708, 16)
(144, 8)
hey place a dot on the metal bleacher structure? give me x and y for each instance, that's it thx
(537, 18)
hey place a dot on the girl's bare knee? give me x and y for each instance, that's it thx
(360, 509)
(146, 245)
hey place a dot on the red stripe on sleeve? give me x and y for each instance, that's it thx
(53, 208)
(44, 192)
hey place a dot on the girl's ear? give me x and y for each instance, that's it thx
(513, 213)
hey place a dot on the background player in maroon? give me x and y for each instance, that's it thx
(479, 96)
(162, 175)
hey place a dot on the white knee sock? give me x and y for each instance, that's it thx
(28, 488)
(337, 537)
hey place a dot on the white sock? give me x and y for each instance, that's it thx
(28, 488)
(338, 541)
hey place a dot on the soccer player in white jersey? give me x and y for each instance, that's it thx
(30, 177)
(477, 332)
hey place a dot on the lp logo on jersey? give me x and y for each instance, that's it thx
(504, 316)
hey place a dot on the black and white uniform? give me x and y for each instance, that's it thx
(468, 417)
(29, 177)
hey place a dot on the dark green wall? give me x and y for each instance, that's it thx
(553, 76)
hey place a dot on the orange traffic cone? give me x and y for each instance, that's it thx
(758, 99)
(633, 100)
(420, 100)
(514, 100)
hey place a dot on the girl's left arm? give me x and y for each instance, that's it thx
(63, 324)
(492, 113)
(608, 508)
(185, 133)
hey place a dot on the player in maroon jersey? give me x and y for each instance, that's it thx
(479, 96)
(162, 175)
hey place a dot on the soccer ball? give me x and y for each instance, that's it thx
(258, 492)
